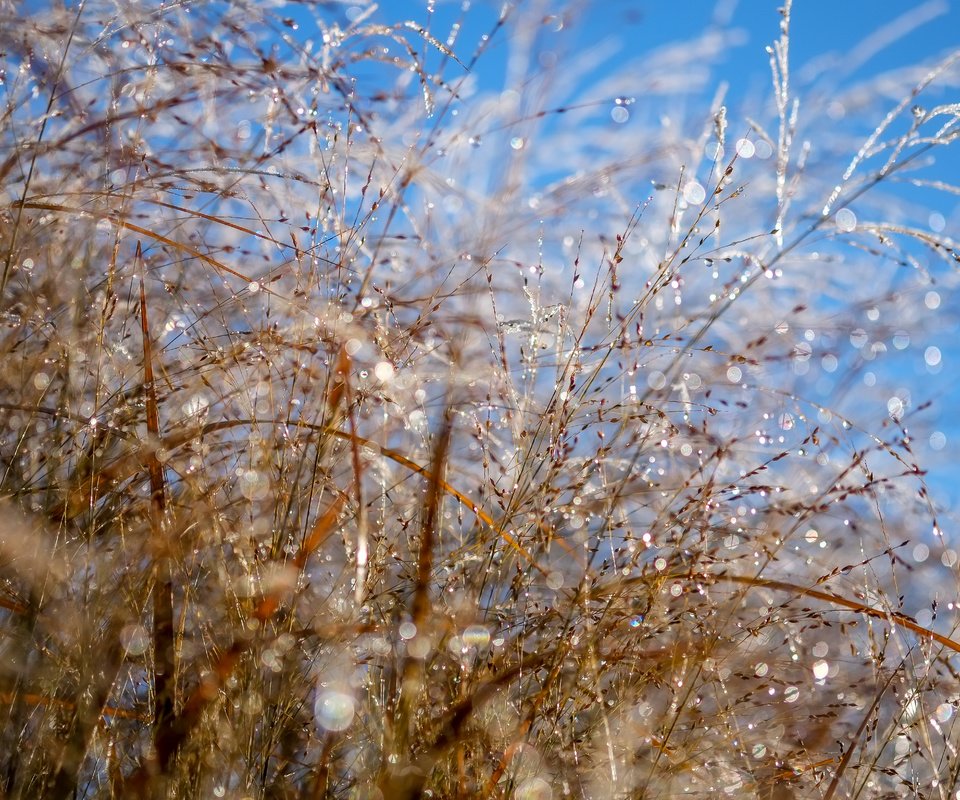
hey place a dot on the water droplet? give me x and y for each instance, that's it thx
(694, 193)
(656, 379)
(334, 710)
(534, 789)
(896, 407)
(858, 337)
(846, 220)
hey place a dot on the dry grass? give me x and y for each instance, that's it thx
(365, 434)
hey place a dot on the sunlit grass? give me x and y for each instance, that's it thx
(354, 447)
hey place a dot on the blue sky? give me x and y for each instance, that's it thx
(825, 32)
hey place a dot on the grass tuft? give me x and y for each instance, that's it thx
(367, 432)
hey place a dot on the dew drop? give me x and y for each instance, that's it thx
(334, 710)
(533, 789)
(694, 193)
(476, 636)
(846, 220)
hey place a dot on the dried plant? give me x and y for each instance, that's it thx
(367, 432)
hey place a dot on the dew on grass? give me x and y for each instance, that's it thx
(762, 149)
(896, 407)
(734, 786)
(656, 379)
(476, 636)
(858, 337)
(334, 710)
(533, 789)
(846, 220)
(135, 639)
(694, 193)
